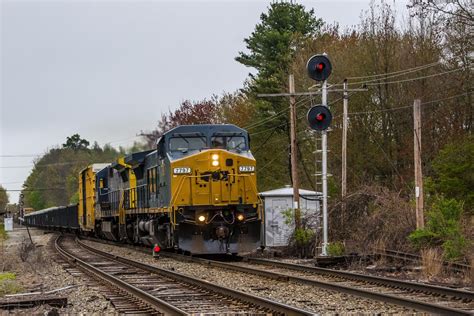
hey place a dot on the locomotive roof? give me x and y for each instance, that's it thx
(206, 129)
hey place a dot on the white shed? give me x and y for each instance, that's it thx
(275, 203)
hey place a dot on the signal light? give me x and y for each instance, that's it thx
(156, 251)
(319, 117)
(319, 67)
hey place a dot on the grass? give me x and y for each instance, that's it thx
(8, 284)
(7, 276)
(432, 260)
(3, 233)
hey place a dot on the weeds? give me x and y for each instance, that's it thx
(8, 284)
(336, 249)
(432, 261)
(7, 276)
(3, 233)
(26, 247)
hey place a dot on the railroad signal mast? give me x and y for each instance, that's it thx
(319, 118)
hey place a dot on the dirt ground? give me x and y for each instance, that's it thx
(40, 269)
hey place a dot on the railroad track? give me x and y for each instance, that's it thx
(404, 256)
(163, 291)
(433, 299)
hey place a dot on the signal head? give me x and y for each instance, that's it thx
(319, 117)
(319, 67)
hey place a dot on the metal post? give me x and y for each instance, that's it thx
(324, 177)
(344, 154)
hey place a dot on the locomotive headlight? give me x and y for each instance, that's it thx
(182, 170)
(202, 218)
(244, 169)
(215, 163)
(215, 157)
(240, 217)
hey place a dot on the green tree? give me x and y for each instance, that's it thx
(76, 142)
(54, 178)
(454, 172)
(271, 49)
(275, 40)
(3, 198)
(272, 46)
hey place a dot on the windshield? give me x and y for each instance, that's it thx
(229, 142)
(185, 144)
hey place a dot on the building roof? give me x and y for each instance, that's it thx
(288, 191)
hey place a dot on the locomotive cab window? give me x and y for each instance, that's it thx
(161, 148)
(218, 142)
(185, 144)
(237, 143)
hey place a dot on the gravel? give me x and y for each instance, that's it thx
(296, 294)
(44, 271)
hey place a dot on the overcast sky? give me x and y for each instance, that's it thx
(108, 69)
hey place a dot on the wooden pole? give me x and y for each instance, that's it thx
(420, 223)
(294, 158)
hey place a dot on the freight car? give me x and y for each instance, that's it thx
(55, 218)
(196, 192)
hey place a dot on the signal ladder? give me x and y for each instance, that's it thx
(318, 175)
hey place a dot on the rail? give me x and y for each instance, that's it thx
(390, 283)
(263, 303)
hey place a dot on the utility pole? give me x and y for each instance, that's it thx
(344, 151)
(294, 158)
(420, 223)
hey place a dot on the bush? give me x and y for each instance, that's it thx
(302, 240)
(303, 236)
(336, 249)
(443, 228)
(374, 217)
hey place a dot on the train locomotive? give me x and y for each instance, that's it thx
(196, 192)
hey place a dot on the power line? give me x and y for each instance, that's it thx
(265, 141)
(414, 79)
(36, 189)
(268, 163)
(274, 116)
(21, 155)
(401, 72)
(46, 165)
(408, 106)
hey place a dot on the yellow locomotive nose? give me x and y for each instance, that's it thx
(215, 160)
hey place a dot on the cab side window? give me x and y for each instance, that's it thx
(218, 142)
(161, 149)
